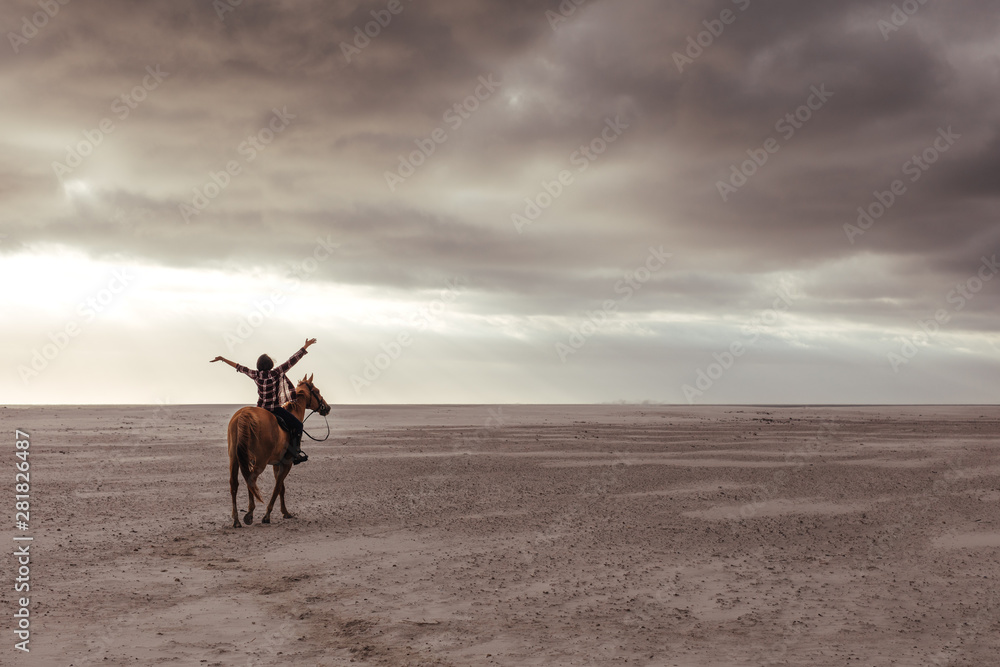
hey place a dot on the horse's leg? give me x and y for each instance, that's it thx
(248, 517)
(287, 468)
(280, 471)
(234, 485)
(281, 491)
(281, 495)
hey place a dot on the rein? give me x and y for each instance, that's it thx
(308, 398)
(309, 436)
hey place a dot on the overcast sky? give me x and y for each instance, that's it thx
(502, 201)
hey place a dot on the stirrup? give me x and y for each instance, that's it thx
(299, 458)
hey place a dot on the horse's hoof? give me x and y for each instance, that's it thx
(248, 518)
(288, 516)
(266, 520)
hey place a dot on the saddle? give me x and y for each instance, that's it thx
(282, 424)
(294, 452)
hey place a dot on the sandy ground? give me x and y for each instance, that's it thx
(520, 536)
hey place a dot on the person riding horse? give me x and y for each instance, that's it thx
(272, 385)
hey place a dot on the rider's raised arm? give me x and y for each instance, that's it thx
(292, 360)
(253, 373)
(231, 363)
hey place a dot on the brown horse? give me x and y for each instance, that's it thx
(256, 441)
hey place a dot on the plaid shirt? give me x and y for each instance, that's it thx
(273, 383)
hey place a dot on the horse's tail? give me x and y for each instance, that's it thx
(246, 429)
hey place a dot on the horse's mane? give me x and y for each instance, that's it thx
(294, 397)
(295, 394)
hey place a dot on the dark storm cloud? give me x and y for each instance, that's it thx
(658, 185)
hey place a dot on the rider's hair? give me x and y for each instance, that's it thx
(264, 363)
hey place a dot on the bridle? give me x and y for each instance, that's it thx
(323, 410)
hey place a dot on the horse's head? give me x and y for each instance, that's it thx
(315, 399)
